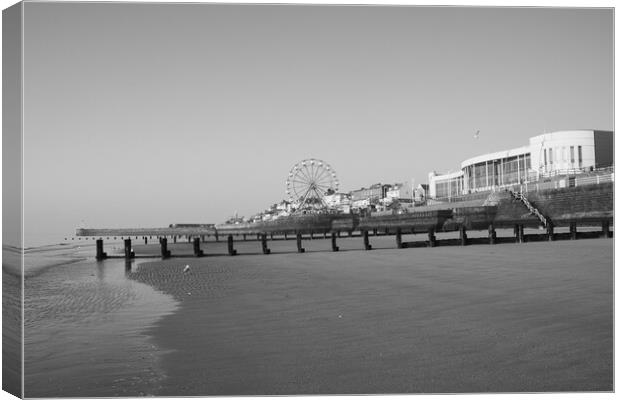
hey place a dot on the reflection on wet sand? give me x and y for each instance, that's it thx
(11, 320)
(84, 324)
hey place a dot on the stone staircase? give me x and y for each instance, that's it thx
(533, 210)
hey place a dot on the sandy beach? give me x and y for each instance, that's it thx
(507, 318)
(11, 320)
(84, 327)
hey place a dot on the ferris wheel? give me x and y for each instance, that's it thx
(308, 182)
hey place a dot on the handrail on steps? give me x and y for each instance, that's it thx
(521, 197)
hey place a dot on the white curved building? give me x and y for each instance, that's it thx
(562, 152)
(572, 150)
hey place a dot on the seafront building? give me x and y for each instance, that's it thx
(544, 162)
(370, 195)
(401, 192)
(550, 154)
(420, 193)
(340, 202)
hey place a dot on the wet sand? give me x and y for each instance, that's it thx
(84, 328)
(11, 320)
(529, 317)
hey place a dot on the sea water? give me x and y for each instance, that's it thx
(84, 324)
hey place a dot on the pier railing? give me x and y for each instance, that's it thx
(185, 231)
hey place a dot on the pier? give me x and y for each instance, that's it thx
(406, 239)
(545, 211)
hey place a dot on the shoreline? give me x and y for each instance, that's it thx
(388, 320)
(86, 331)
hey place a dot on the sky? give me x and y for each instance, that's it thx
(143, 115)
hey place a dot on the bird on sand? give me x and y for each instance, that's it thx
(186, 269)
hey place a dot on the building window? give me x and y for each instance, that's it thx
(572, 155)
(528, 162)
(545, 157)
(528, 165)
(579, 155)
(551, 157)
(480, 175)
(510, 171)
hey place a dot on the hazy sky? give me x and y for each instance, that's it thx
(151, 114)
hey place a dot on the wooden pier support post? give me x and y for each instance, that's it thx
(163, 242)
(244, 237)
(399, 238)
(101, 255)
(299, 248)
(231, 248)
(463, 235)
(285, 236)
(550, 235)
(367, 245)
(432, 240)
(515, 231)
(350, 233)
(492, 234)
(338, 233)
(263, 241)
(197, 251)
(128, 252)
(217, 237)
(271, 235)
(374, 232)
(174, 238)
(573, 231)
(311, 235)
(146, 241)
(605, 228)
(325, 235)
(334, 246)
(518, 233)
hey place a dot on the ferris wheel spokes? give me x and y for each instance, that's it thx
(308, 182)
